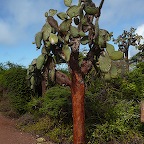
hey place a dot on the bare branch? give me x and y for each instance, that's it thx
(62, 79)
(101, 4)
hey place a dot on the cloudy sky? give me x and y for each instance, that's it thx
(20, 20)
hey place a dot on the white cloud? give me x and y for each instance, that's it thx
(140, 30)
(6, 33)
(21, 17)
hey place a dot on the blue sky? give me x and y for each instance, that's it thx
(20, 20)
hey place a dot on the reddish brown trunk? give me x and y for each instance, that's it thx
(44, 88)
(78, 92)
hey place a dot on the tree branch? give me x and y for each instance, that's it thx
(62, 78)
(101, 4)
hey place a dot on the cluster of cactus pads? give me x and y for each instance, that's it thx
(56, 39)
(106, 64)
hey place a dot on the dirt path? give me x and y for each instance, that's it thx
(10, 135)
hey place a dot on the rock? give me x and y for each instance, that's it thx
(40, 140)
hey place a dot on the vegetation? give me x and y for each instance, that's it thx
(112, 102)
(14, 86)
(112, 108)
(61, 44)
(128, 39)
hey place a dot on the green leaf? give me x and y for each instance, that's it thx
(38, 39)
(68, 2)
(52, 12)
(47, 29)
(73, 11)
(66, 51)
(32, 80)
(91, 10)
(81, 33)
(84, 40)
(46, 14)
(113, 72)
(101, 42)
(116, 55)
(45, 50)
(107, 76)
(65, 25)
(104, 63)
(74, 31)
(40, 62)
(31, 68)
(62, 15)
(53, 38)
(110, 48)
(67, 37)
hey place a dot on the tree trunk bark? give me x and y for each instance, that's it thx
(127, 61)
(78, 92)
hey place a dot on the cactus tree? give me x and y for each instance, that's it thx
(60, 43)
(127, 39)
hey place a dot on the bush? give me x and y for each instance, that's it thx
(51, 128)
(113, 110)
(13, 79)
(57, 102)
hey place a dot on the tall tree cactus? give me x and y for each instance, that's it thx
(60, 43)
(127, 39)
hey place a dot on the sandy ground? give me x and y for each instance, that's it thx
(10, 135)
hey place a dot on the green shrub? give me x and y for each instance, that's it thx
(52, 128)
(13, 79)
(57, 101)
(121, 125)
(113, 110)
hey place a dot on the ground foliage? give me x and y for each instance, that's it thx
(112, 107)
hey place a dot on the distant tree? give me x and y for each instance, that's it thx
(139, 57)
(61, 44)
(127, 39)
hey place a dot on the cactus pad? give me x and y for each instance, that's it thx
(40, 62)
(32, 80)
(73, 11)
(107, 76)
(68, 2)
(38, 39)
(74, 31)
(113, 72)
(66, 52)
(65, 25)
(53, 23)
(84, 40)
(52, 12)
(91, 10)
(53, 38)
(116, 55)
(47, 29)
(109, 48)
(62, 15)
(104, 63)
(81, 33)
